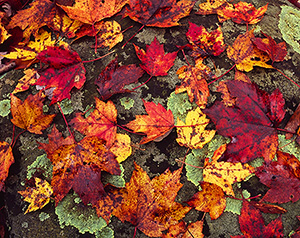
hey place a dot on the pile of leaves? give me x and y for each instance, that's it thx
(252, 118)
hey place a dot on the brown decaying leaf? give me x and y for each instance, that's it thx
(6, 159)
(79, 166)
(102, 122)
(29, 114)
(157, 123)
(149, 204)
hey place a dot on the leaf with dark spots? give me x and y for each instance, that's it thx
(6, 159)
(113, 78)
(249, 123)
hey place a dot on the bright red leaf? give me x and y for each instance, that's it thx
(277, 52)
(282, 177)
(252, 224)
(250, 122)
(65, 70)
(154, 61)
(113, 78)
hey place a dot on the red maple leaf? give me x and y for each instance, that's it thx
(252, 224)
(154, 61)
(159, 13)
(113, 78)
(250, 122)
(277, 52)
(65, 70)
(282, 177)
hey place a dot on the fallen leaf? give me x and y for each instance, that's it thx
(248, 123)
(65, 70)
(293, 125)
(149, 204)
(268, 208)
(224, 174)
(252, 224)
(205, 43)
(121, 147)
(192, 133)
(157, 123)
(28, 79)
(214, 7)
(4, 35)
(29, 114)
(277, 52)
(30, 20)
(92, 11)
(55, 140)
(102, 122)
(154, 61)
(194, 82)
(6, 159)
(245, 54)
(39, 196)
(282, 177)
(210, 199)
(193, 230)
(245, 13)
(157, 13)
(79, 166)
(110, 34)
(113, 78)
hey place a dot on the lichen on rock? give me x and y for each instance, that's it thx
(289, 25)
(4, 107)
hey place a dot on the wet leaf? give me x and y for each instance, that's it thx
(29, 114)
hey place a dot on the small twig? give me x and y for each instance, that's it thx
(101, 57)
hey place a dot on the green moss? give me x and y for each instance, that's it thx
(44, 216)
(197, 157)
(127, 102)
(4, 107)
(179, 104)
(84, 218)
(234, 205)
(289, 25)
(289, 146)
(116, 180)
(66, 106)
(43, 164)
(45, 108)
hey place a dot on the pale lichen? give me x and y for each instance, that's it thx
(41, 164)
(66, 106)
(44, 216)
(127, 102)
(4, 107)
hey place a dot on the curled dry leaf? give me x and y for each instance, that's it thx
(192, 133)
(29, 114)
(39, 196)
(157, 123)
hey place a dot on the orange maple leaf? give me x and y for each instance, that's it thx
(155, 125)
(92, 11)
(102, 122)
(79, 166)
(149, 204)
(214, 7)
(183, 230)
(29, 114)
(6, 159)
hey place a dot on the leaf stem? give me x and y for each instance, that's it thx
(17, 138)
(101, 57)
(133, 36)
(287, 77)
(142, 83)
(178, 160)
(13, 135)
(125, 129)
(66, 122)
(200, 124)
(222, 75)
(96, 39)
(242, 199)
(185, 57)
(279, 129)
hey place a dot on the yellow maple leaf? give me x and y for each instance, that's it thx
(224, 174)
(28, 79)
(39, 196)
(110, 34)
(192, 134)
(121, 147)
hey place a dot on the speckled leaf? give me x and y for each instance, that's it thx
(79, 166)
(214, 7)
(211, 199)
(182, 230)
(225, 174)
(39, 196)
(156, 124)
(245, 54)
(110, 34)
(101, 122)
(29, 114)
(248, 123)
(28, 79)
(252, 224)
(6, 159)
(149, 204)
(154, 61)
(192, 133)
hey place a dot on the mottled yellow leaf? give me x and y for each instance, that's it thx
(192, 133)
(39, 196)
(28, 79)
(110, 34)
(121, 147)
